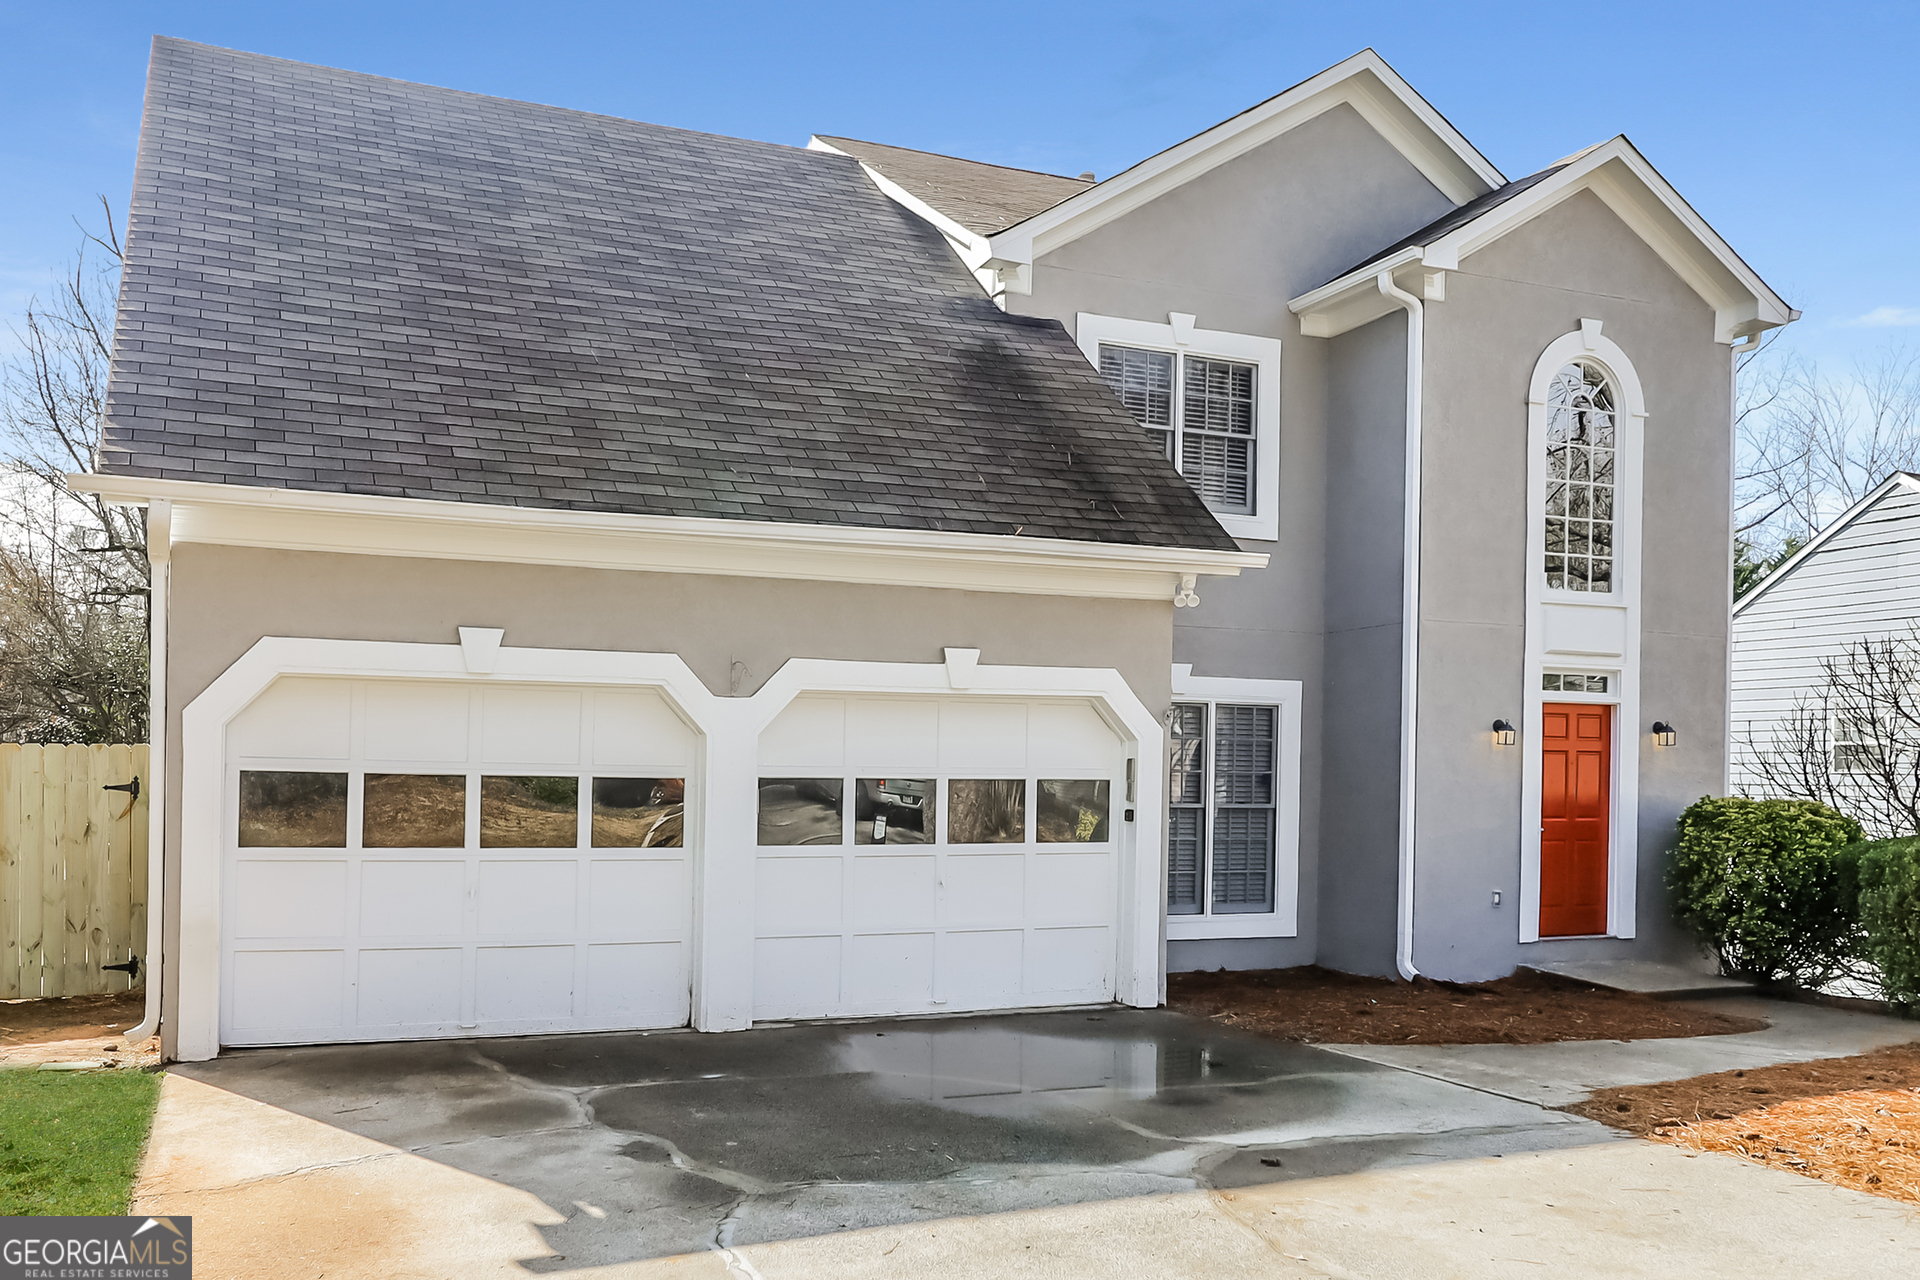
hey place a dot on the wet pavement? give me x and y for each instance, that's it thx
(670, 1143)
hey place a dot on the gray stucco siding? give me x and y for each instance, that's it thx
(1503, 307)
(733, 632)
(1231, 247)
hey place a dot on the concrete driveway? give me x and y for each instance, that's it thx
(1097, 1142)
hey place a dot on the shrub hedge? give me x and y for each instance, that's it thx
(1889, 873)
(1772, 886)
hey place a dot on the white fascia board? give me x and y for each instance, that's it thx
(301, 520)
(1365, 82)
(1617, 173)
(1898, 480)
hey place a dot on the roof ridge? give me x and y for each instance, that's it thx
(470, 93)
(941, 155)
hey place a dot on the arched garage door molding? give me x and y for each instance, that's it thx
(721, 836)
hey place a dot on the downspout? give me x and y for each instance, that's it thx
(160, 558)
(1409, 615)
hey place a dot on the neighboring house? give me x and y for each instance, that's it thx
(610, 576)
(1858, 579)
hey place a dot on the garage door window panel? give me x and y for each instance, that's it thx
(287, 809)
(529, 812)
(414, 811)
(1072, 810)
(987, 811)
(639, 813)
(801, 811)
(895, 810)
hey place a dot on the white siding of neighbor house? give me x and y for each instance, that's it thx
(1862, 583)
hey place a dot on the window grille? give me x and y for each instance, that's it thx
(1210, 438)
(1222, 819)
(1574, 682)
(1854, 749)
(1187, 823)
(1581, 453)
(1144, 382)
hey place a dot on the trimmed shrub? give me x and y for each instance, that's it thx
(1771, 885)
(1890, 913)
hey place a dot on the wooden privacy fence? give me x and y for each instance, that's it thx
(73, 868)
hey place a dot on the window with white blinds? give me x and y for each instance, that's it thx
(1200, 409)
(1222, 812)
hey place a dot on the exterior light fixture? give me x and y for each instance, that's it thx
(1503, 734)
(1663, 734)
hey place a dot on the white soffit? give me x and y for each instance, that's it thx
(1898, 480)
(301, 520)
(1633, 189)
(1365, 82)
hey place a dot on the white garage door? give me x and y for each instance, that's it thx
(929, 854)
(446, 858)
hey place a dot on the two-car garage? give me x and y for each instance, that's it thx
(489, 855)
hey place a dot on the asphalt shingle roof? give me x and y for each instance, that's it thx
(983, 198)
(1449, 222)
(339, 282)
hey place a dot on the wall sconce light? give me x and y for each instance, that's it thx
(1663, 734)
(1503, 734)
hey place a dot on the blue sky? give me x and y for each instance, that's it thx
(1793, 128)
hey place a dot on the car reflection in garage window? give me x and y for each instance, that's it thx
(800, 811)
(893, 811)
(1072, 811)
(282, 809)
(639, 813)
(986, 811)
(529, 813)
(414, 811)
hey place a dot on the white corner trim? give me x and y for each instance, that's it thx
(720, 835)
(303, 520)
(1620, 176)
(1180, 335)
(1622, 661)
(480, 648)
(1284, 920)
(1898, 480)
(1365, 82)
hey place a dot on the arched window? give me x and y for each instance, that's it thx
(1581, 452)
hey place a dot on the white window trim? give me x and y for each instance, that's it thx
(1179, 336)
(1582, 631)
(1284, 920)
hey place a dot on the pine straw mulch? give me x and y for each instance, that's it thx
(1854, 1122)
(1321, 1006)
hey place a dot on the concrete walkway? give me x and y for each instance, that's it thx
(1557, 1075)
(1059, 1145)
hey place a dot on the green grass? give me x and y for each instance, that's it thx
(70, 1141)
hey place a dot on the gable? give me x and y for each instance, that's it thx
(1581, 245)
(1873, 549)
(1267, 223)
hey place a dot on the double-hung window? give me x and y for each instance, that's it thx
(1208, 400)
(1232, 807)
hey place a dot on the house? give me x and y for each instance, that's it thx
(1856, 580)
(609, 576)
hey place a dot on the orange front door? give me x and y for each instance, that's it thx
(1576, 775)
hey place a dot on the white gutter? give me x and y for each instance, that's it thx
(160, 558)
(1409, 615)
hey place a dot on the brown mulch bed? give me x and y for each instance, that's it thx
(70, 1017)
(1320, 1006)
(1854, 1122)
(1647, 1108)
